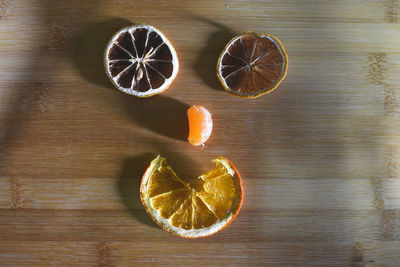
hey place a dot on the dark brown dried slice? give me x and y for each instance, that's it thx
(252, 65)
(140, 61)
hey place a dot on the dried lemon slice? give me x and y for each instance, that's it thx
(140, 61)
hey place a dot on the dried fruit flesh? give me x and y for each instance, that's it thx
(192, 210)
(139, 60)
(252, 64)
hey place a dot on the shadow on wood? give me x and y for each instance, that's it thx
(163, 115)
(160, 114)
(130, 177)
(89, 49)
(205, 64)
(31, 90)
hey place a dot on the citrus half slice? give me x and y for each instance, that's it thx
(194, 210)
(252, 64)
(140, 61)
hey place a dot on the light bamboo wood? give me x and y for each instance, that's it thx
(319, 156)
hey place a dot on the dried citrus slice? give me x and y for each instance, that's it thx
(140, 61)
(200, 125)
(252, 64)
(196, 209)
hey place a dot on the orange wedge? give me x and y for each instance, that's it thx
(192, 210)
(200, 125)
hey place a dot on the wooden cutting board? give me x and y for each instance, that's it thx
(319, 156)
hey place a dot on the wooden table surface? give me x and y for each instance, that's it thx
(320, 156)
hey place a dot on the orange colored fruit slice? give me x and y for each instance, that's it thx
(200, 125)
(196, 209)
(252, 64)
(140, 61)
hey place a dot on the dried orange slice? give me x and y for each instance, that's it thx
(140, 61)
(252, 64)
(196, 209)
(200, 125)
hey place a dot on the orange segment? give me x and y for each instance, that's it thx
(219, 189)
(192, 211)
(164, 180)
(183, 216)
(200, 125)
(168, 203)
(205, 217)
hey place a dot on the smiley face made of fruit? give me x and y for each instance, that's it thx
(140, 61)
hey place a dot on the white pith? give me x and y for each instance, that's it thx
(166, 223)
(151, 91)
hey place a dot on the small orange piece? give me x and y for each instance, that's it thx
(196, 208)
(200, 125)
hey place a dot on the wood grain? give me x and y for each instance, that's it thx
(319, 156)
